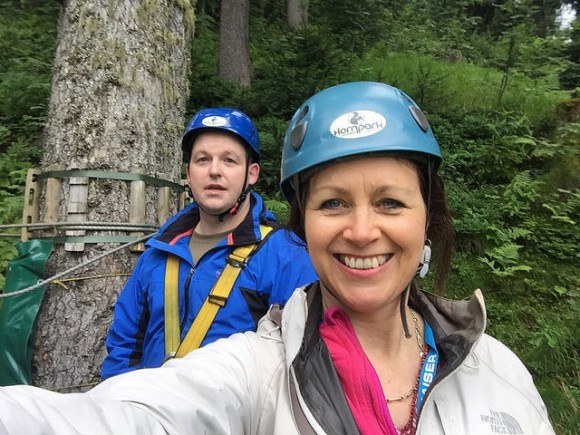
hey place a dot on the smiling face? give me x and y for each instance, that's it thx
(365, 225)
(217, 169)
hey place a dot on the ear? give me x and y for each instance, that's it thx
(187, 174)
(253, 173)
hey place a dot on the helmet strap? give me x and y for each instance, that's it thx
(295, 183)
(403, 308)
(236, 207)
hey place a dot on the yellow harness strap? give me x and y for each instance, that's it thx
(171, 306)
(217, 298)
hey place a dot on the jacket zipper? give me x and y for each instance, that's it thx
(186, 298)
(443, 377)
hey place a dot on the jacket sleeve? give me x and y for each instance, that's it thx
(125, 338)
(221, 388)
(288, 264)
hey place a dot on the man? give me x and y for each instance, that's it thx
(221, 149)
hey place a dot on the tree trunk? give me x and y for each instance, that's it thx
(297, 11)
(235, 64)
(510, 61)
(118, 98)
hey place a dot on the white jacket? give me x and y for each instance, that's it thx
(278, 381)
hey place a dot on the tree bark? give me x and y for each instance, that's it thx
(297, 11)
(235, 64)
(120, 83)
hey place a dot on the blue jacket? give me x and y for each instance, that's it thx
(279, 266)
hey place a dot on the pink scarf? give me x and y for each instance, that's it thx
(359, 380)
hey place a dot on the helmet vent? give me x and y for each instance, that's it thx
(419, 118)
(297, 135)
(302, 114)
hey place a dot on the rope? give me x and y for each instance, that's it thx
(110, 175)
(103, 226)
(78, 226)
(74, 268)
(61, 282)
(87, 277)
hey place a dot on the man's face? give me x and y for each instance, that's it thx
(217, 169)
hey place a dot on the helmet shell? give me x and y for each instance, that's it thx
(352, 119)
(222, 118)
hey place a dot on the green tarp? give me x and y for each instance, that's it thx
(18, 313)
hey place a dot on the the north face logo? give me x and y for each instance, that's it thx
(501, 422)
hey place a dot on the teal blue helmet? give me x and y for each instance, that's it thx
(352, 119)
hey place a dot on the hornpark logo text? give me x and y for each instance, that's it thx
(354, 125)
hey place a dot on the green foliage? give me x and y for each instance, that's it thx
(272, 135)
(354, 25)
(512, 217)
(279, 207)
(27, 42)
(14, 164)
(433, 84)
(570, 76)
(288, 67)
(299, 64)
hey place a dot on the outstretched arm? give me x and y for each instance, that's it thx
(218, 389)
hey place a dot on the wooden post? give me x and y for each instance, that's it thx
(77, 210)
(31, 212)
(183, 195)
(163, 212)
(52, 198)
(137, 208)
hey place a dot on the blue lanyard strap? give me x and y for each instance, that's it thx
(429, 368)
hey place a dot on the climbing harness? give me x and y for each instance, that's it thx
(217, 298)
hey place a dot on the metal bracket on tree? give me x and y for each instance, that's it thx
(76, 223)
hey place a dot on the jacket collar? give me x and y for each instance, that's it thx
(316, 378)
(457, 326)
(183, 223)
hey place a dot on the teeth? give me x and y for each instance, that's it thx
(363, 263)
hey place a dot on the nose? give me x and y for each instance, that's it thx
(214, 168)
(362, 228)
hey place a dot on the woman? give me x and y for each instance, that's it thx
(362, 350)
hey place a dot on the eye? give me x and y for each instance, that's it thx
(390, 204)
(333, 204)
(201, 159)
(231, 161)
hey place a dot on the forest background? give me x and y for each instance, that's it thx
(500, 84)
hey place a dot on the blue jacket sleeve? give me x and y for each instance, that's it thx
(289, 264)
(124, 341)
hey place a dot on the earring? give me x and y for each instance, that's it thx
(423, 268)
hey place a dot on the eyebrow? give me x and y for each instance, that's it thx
(331, 188)
(226, 153)
(380, 190)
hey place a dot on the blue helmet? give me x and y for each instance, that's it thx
(351, 119)
(222, 118)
